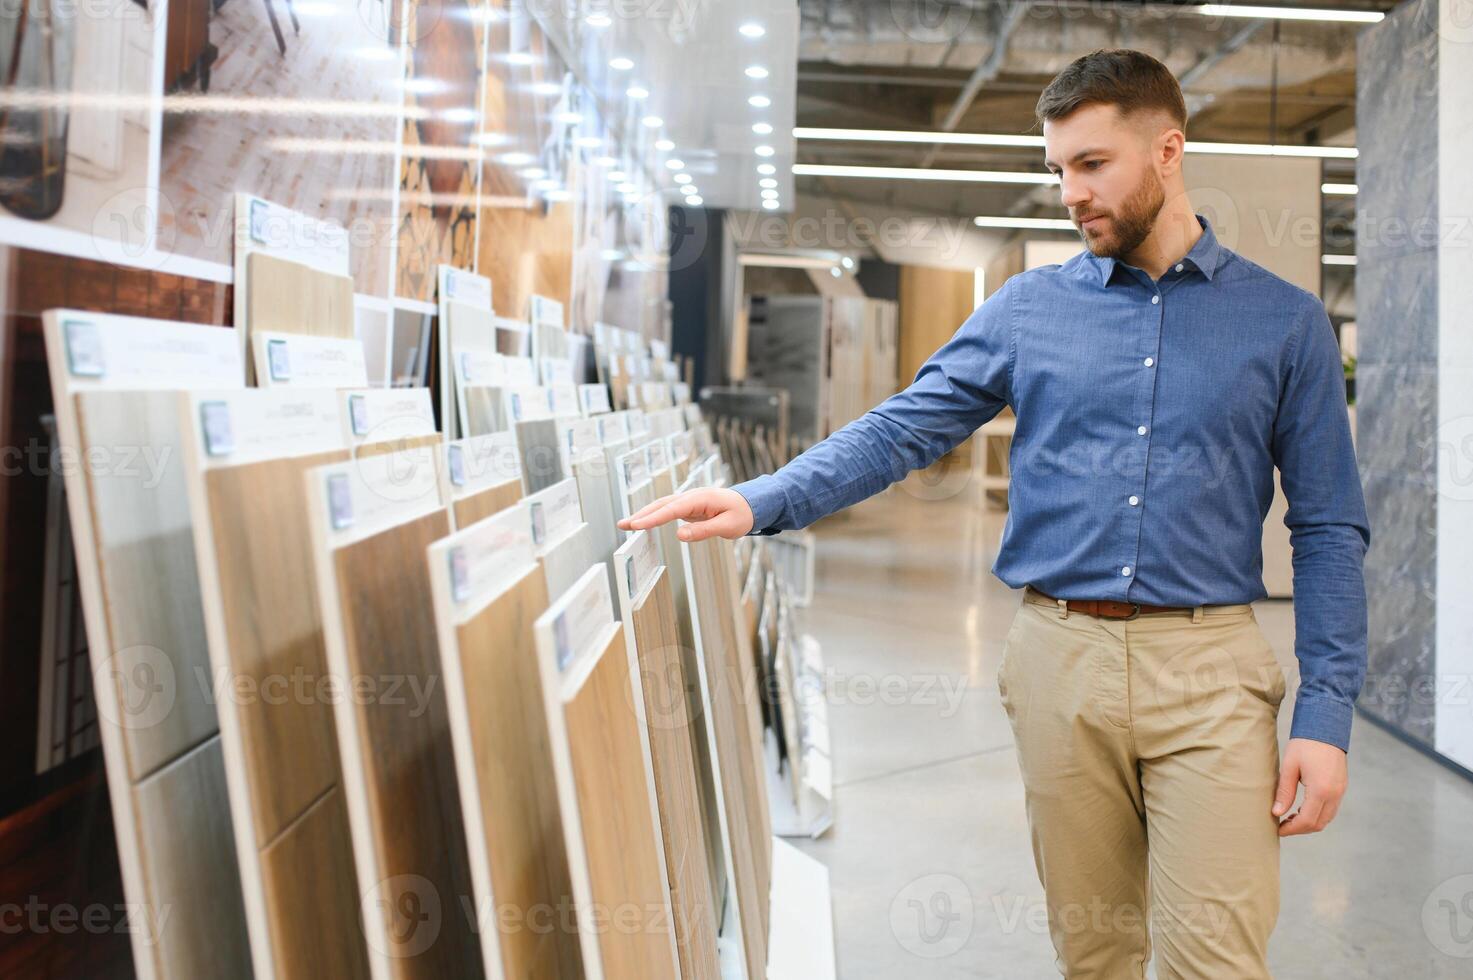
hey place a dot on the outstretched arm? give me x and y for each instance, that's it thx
(961, 386)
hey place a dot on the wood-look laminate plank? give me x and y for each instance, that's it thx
(291, 297)
(715, 622)
(258, 517)
(313, 896)
(521, 816)
(476, 507)
(404, 755)
(673, 753)
(618, 825)
(145, 557)
(187, 844)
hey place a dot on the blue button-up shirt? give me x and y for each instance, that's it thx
(1150, 417)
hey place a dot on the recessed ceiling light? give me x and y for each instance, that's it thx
(637, 92)
(847, 262)
(621, 64)
(691, 190)
(558, 194)
(752, 29)
(762, 129)
(771, 205)
(675, 164)
(598, 20)
(516, 159)
(521, 58)
(545, 184)
(766, 169)
(695, 202)
(682, 178)
(460, 115)
(611, 255)
(765, 151)
(664, 146)
(534, 173)
(607, 161)
(627, 188)
(653, 122)
(770, 195)
(492, 139)
(756, 71)
(568, 118)
(545, 88)
(617, 176)
(835, 272)
(767, 182)
(588, 142)
(759, 102)
(423, 86)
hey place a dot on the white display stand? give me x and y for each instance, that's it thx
(800, 943)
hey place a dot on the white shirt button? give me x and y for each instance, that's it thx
(1125, 570)
(1140, 430)
(1134, 500)
(1150, 361)
(1155, 300)
(1178, 267)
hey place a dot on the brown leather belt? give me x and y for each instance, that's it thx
(1111, 608)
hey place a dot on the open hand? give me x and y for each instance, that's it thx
(1321, 767)
(709, 512)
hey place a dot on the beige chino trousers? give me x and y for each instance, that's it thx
(1149, 752)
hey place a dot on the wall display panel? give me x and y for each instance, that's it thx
(298, 109)
(605, 784)
(488, 591)
(372, 521)
(75, 172)
(438, 177)
(244, 457)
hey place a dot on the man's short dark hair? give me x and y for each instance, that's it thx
(1130, 80)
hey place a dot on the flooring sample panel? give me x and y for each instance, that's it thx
(370, 449)
(304, 905)
(186, 838)
(605, 784)
(564, 563)
(673, 749)
(731, 736)
(597, 500)
(267, 630)
(477, 507)
(403, 753)
(516, 798)
(484, 412)
(542, 459)
(291, 297)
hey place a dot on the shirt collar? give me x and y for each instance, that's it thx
(1204, 256)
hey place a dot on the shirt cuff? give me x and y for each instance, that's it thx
(1324, 720)
(766, 498)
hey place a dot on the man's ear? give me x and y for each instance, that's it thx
(1168, 148)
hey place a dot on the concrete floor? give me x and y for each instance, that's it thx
(929, 857)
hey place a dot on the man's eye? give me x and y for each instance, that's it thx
(1094, 164)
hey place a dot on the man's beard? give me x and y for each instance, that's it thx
(1130, 225)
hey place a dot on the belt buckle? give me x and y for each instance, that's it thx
(1135, 610)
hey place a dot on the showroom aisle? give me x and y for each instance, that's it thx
(931, 868)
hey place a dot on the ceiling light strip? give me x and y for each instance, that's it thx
(1036, 142)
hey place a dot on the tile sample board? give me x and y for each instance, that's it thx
(601, 758)
(484, 410)
(733, 743)
(542, 460)
(488, 591)
(293, 297)
(648, 609)
(136, 569)
(372, 521)
(596, 495)
(561, 540)
(245, 453)
(480, 476)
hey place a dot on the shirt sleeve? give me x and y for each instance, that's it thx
(961, 386)
(1328, 532)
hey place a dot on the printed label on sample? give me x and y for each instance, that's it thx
(84, 349)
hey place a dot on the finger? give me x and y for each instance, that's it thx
(1288, 787)
(646, 510)
(1306, 819)
(663, 514)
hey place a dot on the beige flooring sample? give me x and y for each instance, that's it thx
(673, 750)
(476, 507)
(291, 297)
(267, 606)
(521, 816)
(180, 814)
(619, 828)
(484, 412)
(404, 755)
(716, 626)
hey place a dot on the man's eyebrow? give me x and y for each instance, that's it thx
(1090, 151)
